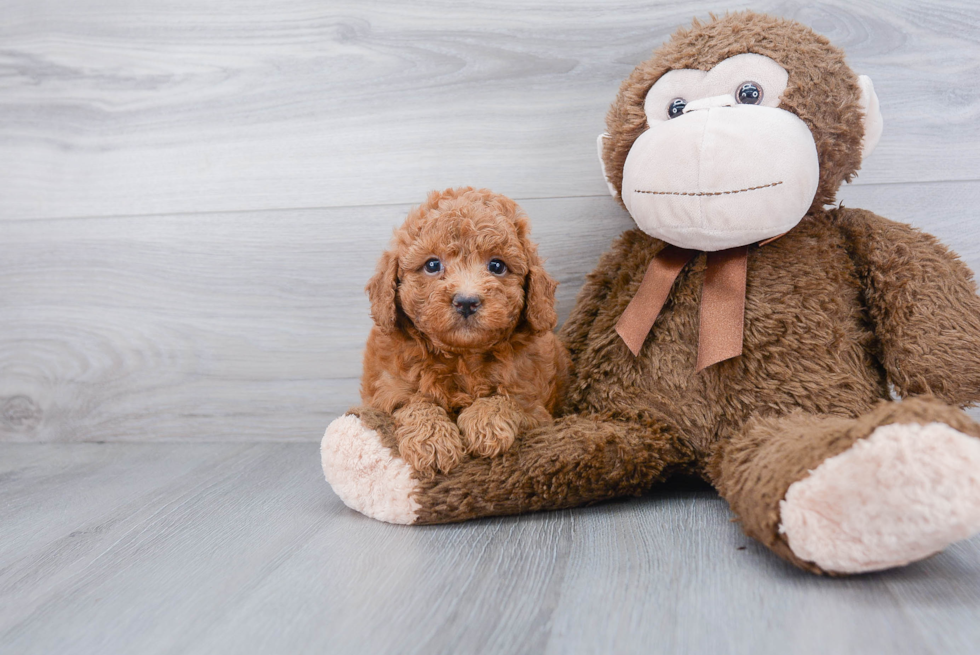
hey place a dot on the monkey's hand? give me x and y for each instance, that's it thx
(427, 438)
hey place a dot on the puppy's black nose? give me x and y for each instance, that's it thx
(466, 305)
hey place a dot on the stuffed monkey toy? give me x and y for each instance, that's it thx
(747, 332)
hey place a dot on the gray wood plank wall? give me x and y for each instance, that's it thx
(192, 196)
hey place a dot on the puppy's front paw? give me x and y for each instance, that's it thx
(490, 425)
(428, 441)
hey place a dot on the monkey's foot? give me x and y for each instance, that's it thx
(900, 495)
(366, 474)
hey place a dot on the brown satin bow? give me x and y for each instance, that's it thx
(722, 302)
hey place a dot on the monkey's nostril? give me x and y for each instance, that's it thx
(466, 305)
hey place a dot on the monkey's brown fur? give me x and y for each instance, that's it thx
(844, 304)
(459, 384)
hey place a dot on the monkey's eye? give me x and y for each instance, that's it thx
(676, 107)
(497, 267)
(433, 266)
(748, 93)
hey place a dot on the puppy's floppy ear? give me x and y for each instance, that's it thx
(382, 289)
(539, 287)
(539, 296)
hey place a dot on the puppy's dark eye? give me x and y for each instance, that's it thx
(748, 93)
(676, 107)
(433, 266)
(497, 267)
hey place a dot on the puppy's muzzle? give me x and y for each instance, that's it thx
(466, 306)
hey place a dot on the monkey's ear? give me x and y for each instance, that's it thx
(382, 290)
(602, 163)
(872, 116)
(539, 298)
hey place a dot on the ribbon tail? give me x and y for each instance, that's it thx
(637, 320)
(722, 306)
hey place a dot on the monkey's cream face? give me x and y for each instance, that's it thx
(721, 165)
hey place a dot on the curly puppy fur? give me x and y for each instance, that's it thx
(458, 383)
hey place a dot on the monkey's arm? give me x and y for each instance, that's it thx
(923, 304)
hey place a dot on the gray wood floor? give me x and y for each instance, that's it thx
(192, 196)
(237, 548)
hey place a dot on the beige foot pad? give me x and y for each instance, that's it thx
(902, 494)
(365, 474)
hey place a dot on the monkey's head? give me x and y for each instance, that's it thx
(734, 130)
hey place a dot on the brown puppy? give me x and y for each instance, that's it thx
(462, 353)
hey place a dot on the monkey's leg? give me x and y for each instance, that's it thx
(838, 495)
(574, 461)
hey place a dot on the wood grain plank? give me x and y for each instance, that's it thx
(249, 552)
(129, 573)
(109, 107)
(231, 327)
(717, 591)
(35, 478)
(250, 326)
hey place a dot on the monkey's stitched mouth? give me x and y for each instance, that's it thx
(707, 193)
